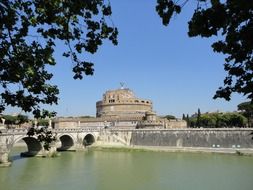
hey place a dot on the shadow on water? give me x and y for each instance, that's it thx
(16, 157)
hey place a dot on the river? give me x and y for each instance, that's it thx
(128, 170)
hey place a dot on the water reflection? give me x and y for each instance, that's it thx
(16, 157)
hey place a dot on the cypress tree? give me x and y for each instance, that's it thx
(198, 118)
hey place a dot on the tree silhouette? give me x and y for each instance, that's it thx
(29, 31)
(247, 109)
(198, 118)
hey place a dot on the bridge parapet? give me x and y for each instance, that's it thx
(74, 130)
(13, 131)
(61, 130)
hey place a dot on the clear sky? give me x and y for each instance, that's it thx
(179, 74)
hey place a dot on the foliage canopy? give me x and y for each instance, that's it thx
(29, 31)
(15, 120)
(169, 117)
(247, 111)
(217, 120)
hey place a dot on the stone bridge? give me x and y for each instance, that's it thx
(67, 139)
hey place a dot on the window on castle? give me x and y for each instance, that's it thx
(111, 101)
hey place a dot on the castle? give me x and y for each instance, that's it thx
(120, 108)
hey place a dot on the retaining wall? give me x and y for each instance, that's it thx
(220, 138)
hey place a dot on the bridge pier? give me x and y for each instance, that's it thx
(52, 152)
(79, 147)
(4, 156)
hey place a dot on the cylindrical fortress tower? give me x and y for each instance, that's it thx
(123, 103)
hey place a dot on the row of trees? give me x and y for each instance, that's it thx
(216, 120)
(14, 120)
(243, 118)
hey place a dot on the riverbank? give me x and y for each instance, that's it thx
(236, 151)
(116, 147)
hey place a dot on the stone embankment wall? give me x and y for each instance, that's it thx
(220, 138)
(115, 137)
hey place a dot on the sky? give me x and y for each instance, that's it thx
(179, 74)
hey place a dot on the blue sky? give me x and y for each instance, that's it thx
(179, 74)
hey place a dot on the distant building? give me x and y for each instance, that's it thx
(122, 109)
(122, 103)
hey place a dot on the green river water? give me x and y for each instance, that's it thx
(128, 170)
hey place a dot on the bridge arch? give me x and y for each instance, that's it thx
(18, 138)
(88, 139)
(67, 142)
(33, 146)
